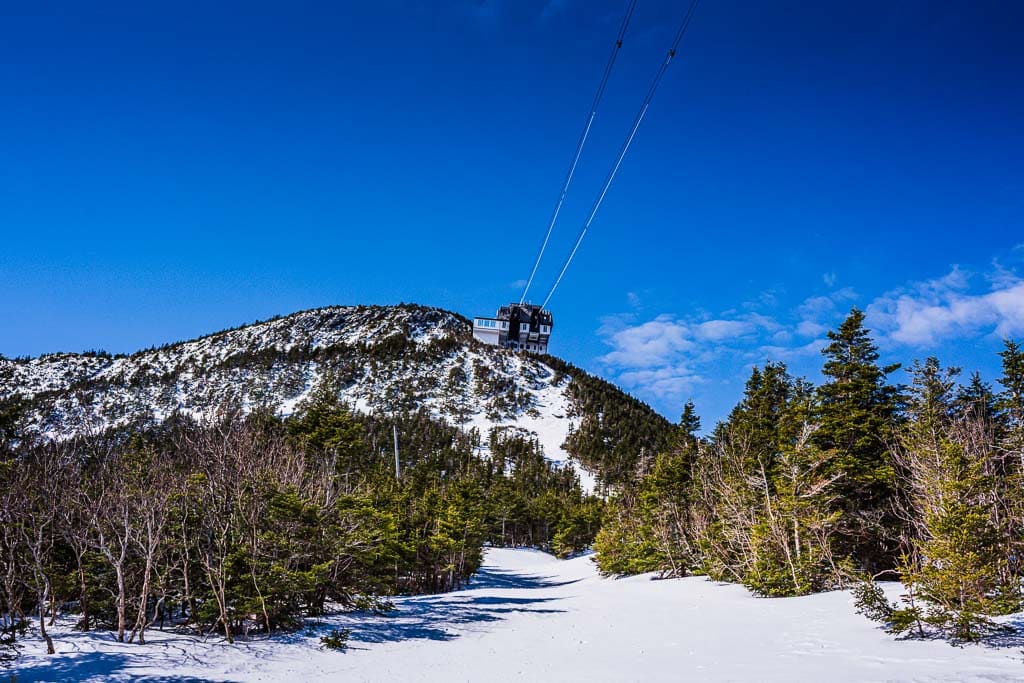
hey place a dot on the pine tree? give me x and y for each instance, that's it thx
(1011, 399)
(10, 410)
(791, 541)
(953, 569)
(753, 425)
(646, 526)
(977, 400)
(689, 425)
(627, 542)
(1010, 404)
(857, 412)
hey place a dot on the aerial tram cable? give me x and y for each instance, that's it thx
(625, 145)
(582, 141)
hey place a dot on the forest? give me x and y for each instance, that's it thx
(254, 524)
(805, 489)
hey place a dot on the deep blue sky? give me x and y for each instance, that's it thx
(171, 169)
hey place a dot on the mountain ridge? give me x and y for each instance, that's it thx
(383, 359)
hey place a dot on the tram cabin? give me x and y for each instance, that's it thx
(522, 327)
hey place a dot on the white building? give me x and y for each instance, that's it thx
(523, 327)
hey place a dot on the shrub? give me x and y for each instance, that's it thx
(337, 639)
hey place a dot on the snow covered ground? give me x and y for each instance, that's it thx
(528, 616)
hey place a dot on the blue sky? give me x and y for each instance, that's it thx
(171, 169)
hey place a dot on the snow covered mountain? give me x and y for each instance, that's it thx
(392, 358)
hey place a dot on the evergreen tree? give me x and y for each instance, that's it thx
(10, 411)
(1011, 399)
(791, 542)
(953, 569)
(646, 526)
(856, 413)
(1010, 404)
(753, 425)
(689, 425)
(976, 399)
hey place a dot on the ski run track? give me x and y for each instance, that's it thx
(527, 616)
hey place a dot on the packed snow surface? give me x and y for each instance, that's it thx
(528, 616)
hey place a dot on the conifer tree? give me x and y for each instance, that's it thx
(1010, 404)
(753, 425)
(792, 540)
(646, 526)
(953, 568)
(10, 410)
(1011, 399)
(977, 400)
(856, 414)
(689, 425)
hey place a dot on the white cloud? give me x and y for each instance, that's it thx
(664, 358)
(809, 328)
(927, 313)
(668, 358)
(717, 330)
(789, 353)
(818, 314)
(650, 344)
(517, 284)
(829, 279)
(669, 382)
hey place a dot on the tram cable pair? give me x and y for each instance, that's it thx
(669, 56)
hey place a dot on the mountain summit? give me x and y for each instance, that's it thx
(382, 359)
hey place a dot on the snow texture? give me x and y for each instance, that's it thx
(530, 617)
(278, 363)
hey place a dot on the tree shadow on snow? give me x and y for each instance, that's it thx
(1012, 636)
(440, 617)
(76, 667)
(1009, 635)
(443, 617)
(488, 577)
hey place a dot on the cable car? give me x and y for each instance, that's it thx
(521, 327)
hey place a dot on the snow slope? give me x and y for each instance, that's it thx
(385, 358)
(530, 617)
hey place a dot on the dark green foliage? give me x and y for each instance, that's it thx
(10, 412)
(1008, 436)
(956, 564)
(627, 542)
(337, 639)
(857, 412)
(252, 525)
(977, 401)
(616, 431)
(870, 600)
(10, 632)
(1011, 399)
(646, 526)
(532, 503)
(763, 502)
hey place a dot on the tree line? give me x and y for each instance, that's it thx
(255, 523)
(804, 489)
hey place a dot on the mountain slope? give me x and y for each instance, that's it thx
(383, 359)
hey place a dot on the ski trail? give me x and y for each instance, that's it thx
(527, 616)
